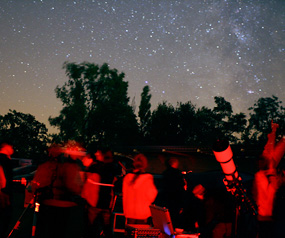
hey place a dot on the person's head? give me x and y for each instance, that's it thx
(87, 160)
(74, 150)
(99, 156)
(173, 162)
(7, 149)
(104, 154)
(140, 163)
(199, 191)
(55, 150)
(108, 156)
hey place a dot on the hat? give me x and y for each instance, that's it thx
(198, 190)
(73, 148)
(140, 162)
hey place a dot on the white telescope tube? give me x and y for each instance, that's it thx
(224, 156)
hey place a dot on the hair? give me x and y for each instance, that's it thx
(172, 161)
(140, 164)
(106, 152)
(55, 150)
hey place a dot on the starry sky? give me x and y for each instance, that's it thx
(185, 50)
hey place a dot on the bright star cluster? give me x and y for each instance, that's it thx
(184, 50)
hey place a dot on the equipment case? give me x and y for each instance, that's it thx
(140, 231)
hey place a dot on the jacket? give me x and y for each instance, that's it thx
(138, 196)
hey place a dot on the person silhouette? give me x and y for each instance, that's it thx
(6, 183)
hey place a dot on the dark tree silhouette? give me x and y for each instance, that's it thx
(29, 137)
(95, 106)
(96, 111)
(236, 128)
(145, 113)
(261, 114)
(184, 125)
(228, 125)
(205, 133)
(187, 122)
(164, 125)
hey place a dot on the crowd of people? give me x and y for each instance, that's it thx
(76, 190)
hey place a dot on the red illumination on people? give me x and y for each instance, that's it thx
(6, 191)
(139, 192)
(267, 181)
(57, 184)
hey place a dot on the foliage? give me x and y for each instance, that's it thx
(28, 136)
(96, 111)
(228, 125)
(95, 106)
(236, 128)
(262, 113)
(223, 109)
(145, 113)
(187, 122)
(205, 128)
(164, 125)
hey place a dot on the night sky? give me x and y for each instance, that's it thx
(191, 50)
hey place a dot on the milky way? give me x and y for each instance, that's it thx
(184, 50)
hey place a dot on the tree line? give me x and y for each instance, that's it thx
(96, 111)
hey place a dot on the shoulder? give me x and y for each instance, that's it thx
(146, 176)
(129, 175)
(46, 164)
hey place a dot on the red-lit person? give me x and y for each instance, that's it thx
(6, 179)
(58, 184)
(139, 191)
(174, 191)
(102, 174)
(198, 210)
(267, 181)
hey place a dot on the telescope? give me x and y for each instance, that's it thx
(224, 156)
(23, 181)
(232, 180)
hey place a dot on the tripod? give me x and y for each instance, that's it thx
(33, 202)
(236, 188)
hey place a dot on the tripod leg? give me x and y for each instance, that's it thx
(37, 207)
(18, 222)
(235, 223)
